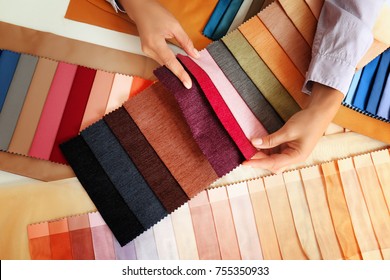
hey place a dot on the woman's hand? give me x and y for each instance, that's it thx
(298, 137)
(155, 24)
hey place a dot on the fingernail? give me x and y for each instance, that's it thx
(196, 53)
(187, 84)
(257, 142)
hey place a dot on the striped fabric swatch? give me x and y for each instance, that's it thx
(224, 222)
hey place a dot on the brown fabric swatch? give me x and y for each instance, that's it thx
(155, 173)
(158, 116)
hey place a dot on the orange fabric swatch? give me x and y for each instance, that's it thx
(264, 222)
(202, 219)
(138, 85)
(339, 211)
(319, 209)
(358, 211)
(290, 247)
(32, 107)
(302, 17)
(375, 201)
(276, 59)
(60, 244)
(381, 160)
(289, 38)
(224, 225)
(98, 98)
(192, 15)
(301, 214)
(39, 241)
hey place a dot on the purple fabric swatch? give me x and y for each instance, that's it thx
(208, 132)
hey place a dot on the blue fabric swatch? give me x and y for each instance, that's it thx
(227, 20)
(124, 174)
(379, 83)
(384, 105)
(365, 84)
(216, 17)
(8, 62)
(352, 88)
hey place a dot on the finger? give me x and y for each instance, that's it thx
(165, 56)
(272, 140)
(185, 42)
(276, 162)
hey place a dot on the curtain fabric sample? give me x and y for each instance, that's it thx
(365, 84)
(253, 98)
(218, 12)
(315, 7)
(32, 107)
(241, 14)
(39, 241)
(352, 88)
(384, 105)
(227, 19)
(74, 110)
(120, 92)
(224, 225)
(301, 214)
(340, 213)
(81, 237)
(379, 83)
(153, 170)
(53, 109)
(252, 127)
(284, 31)
(219, 106)
(145, 246)
(207, 131)
(111, 205)
(102, 238)
(60, 242)
(15, 98)
(126, 252)
(123, 174)
(8, 62)
(165, 240)
(180, 154)
(267, 83)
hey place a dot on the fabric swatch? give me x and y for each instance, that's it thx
(120, 92)
(102, 238)
(381, 162)
(267, 83)
(254, 9)
(352, 88)
(8, 62)
(74, 110)
(153, 170)
(81, 237)
(16, 94)
(218, 12)
(32, 107)
(180, 154)
(241, 14)
(252, 127)
(384, 105)
(39, 241)
(52, 112)
(60, 242)
(227, 19)
(248, 91)
(165, 240)
(365, 84)
(123, 174)
(219, 106)
(111, 205)
(207, 131)
(379, 83)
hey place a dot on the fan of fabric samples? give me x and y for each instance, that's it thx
(331, 211)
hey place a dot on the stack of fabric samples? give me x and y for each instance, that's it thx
(334, 210)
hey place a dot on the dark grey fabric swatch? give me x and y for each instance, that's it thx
(114, 210)
(124, 174)
(255, 100)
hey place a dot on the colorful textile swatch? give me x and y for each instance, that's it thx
(8, 62)
(224, 222)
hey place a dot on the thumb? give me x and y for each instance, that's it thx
(272, 140)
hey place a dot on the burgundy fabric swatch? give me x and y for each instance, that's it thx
(219, 106)
(209, 134)
(155, 173)
(74, 110)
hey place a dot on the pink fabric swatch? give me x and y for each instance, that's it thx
(53, 109)
(242, 113)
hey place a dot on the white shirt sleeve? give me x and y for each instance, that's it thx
(343, 36)
(115, 5)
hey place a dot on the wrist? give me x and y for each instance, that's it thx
(325, 100)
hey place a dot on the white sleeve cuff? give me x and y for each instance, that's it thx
(116, 6)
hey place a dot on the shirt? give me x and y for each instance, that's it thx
(343, 36)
